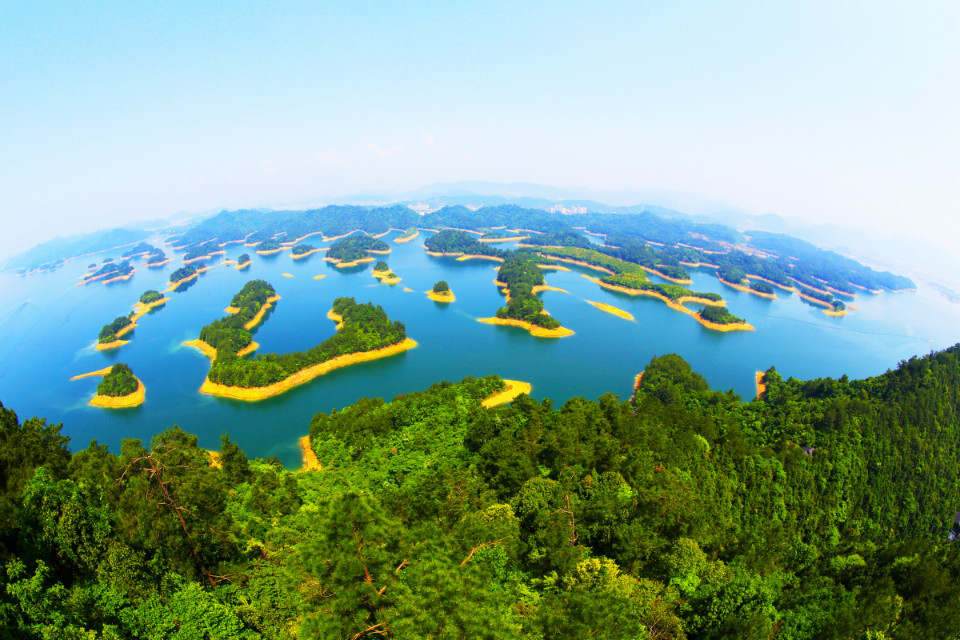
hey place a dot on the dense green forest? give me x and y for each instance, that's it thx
(228, 334)
(140, 247)
(182, 273)
(243, 257)
(155, 256)
(441, 286)
(302, 248)
(268, 245)
(113, 269)
(818, 511)
(453, 241)
(119, 382)
(365, 328)
(355, 247)
(109, 331)
(521, 274)
(150, 295)
(718, 315)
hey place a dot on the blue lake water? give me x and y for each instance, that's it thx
(48, 328)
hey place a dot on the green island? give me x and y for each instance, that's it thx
(303, 250)
(156, 258)
(407, 235)
(110, 272)
(119, 389)
(243, 261)
(268, 247)
(522, 277)
(364, 333)
(181, 275)
(381, 271)
(440, 292)
(140, 249)
(110, 334)
(720, 319)
(354, 249)
(230, 335)
(450, 242)
(150, 296)
(819, 510)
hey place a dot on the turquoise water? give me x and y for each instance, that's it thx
(48, 328)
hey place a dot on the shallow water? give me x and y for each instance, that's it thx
(48, 328)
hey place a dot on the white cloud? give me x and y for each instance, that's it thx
(430, 142)
(382, 152)
(330, 157)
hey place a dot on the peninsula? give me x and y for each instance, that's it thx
(524, 309)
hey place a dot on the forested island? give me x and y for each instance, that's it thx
(303, 250)
(450, 242)
(383, 273)
(243, 261)
(819, 510)
(440, 292)
(355, 249)
(119, 389)
(111, 333)
(181, 275)
(522, 278)
(364, 333)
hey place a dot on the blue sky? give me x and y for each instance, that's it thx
(842, 112)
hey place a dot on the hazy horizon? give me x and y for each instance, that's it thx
(819, 113)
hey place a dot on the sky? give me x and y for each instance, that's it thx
(821, 111)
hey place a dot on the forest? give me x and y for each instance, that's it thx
(302, 248)
(521, 274)
(355, 247)
(228, 335)
(150, 295)
(182, 273)
(119, 382)
(365, 327)
(453, 241)
(819, 510)
(109, 331)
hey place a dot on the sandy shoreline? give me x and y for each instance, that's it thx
(554, 267)
(678, 305)
(99, 372)
(447, 296)
(609, 308)
(174, 285)
(539, 332)
(207, 350)
(141, 309)
(198, 259)
(508, 239)
(157, 265)
(579, 263)
(353, 263)
(474, 256)
(402, 240)
(310, 460)
(270, 252)
(257, 318)
(761, 384)
(511, 389)
(244, 265)
(740, 287)
(254, 394)
(666, 277)
(301, 256)
(814, 300)
(320, 277)
(134, 399)
(835, 313)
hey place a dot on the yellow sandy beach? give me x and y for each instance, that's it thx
(174, 285)
(539, 332)
(211, 353)
(141, 309)
(666, 277)
(269, 252)
(261, 393)
(320, 277)
(407, 239)
(122, 402)
(446, 296)
(244, 265)
(301, 256)
(740, 287)
(310, 461)
(473, 256)
(761, 383)
(609, 308)
(678, 305)
(99, 372)
(157, 265)
(511, 389)
(510, 239)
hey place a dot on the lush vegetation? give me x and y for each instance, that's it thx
(409, 233)
(731, 273)
(113, 270)
(761, 287)
(183, 273)
(268, 245)
(521, 274)
(354, 247)
(156, 256)
(381, 266)
(818, 511)
(365, 328)
(228, 335)
(718, 315)
(244, 257)
(453, 241)
(302, 248)
(119, 382)
(140, 247)
(109, 331)
(200, 251)
(150, 296)
(441, 286)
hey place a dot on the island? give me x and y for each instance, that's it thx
(110, 334)
(269, 247)
(150, 299)
(381, 271)
(354, 249)
(524, 309)
(407, 235)
(110, 271)
(441, 292)
(156, 259)
(182, 275)
(364, 333)
(249, 306)
(303, 250)
(720, 319)
(119, 389)
(460, 244)
(243, 261)
(609, 308)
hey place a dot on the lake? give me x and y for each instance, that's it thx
(48, 328)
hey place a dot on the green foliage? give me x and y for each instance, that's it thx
(718, 315)
(761, 287)
(441, 286)
(365, 328)
(243, 257)
(150, 296)
(454, 241)
(521, 273)
(182, 273)
(109, 331)
(355, 247)
(119, 382)
(381, 266)
(302, 248)
(731, 273)
(268, 245)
